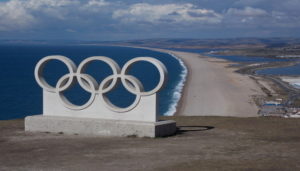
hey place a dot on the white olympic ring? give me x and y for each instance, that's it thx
(89, 84)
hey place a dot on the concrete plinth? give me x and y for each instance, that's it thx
(101, 127)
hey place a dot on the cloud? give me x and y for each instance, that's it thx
(166, 13)
(267, 18)
(14, 15)
(247, 12)
(94, 5)
(98, 3)
(245, 15)
(21, 14)
(92, 19)
(41, 4)
(249, 2)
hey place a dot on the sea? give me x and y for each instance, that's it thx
(293, 70)
(286, 71)
(21, 96)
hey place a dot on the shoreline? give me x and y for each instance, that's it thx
(180, 87)
(214, 89)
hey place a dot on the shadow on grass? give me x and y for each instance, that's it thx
(183, 129)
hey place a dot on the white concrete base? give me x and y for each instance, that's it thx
(101, 127)
(145, 111)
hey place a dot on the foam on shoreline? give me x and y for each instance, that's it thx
(177, 92)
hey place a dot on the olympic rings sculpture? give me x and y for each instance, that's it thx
(89, 84)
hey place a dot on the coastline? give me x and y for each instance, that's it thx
(179, 88)
(214, 89)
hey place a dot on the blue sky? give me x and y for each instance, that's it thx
(131, 19)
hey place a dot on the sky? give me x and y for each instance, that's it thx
(108, 20)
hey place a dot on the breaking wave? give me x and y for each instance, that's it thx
(177, 92)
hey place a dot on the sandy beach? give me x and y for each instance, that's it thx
(214, 89)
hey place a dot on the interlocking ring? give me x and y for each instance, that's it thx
(89, 84)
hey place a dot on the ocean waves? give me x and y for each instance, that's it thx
(177, 91)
